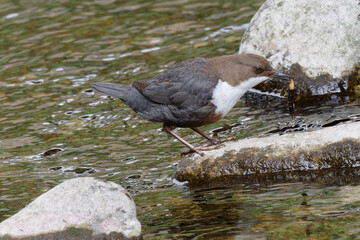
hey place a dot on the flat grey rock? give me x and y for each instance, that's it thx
(87, 203)
(332, 147)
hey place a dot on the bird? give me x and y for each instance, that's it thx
(193, 93)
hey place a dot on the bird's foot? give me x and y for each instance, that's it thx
(228, 140)
(212, 147)
(195, 150)
(202, 148)
(215, 142)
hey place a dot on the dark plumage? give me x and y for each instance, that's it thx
(183, 96)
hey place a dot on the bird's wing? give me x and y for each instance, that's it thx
(186, 83)
(156, 91)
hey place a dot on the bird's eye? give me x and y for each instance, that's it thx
(258, 69)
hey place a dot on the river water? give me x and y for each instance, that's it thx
(53, 127)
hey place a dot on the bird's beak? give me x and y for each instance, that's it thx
(280, 76)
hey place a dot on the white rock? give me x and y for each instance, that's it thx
(322, 36)
(102, 207)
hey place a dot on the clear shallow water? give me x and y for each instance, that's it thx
(52, 128)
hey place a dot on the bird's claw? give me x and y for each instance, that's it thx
(202, 148)
(228, 140)
(217, 142)
(183, 153)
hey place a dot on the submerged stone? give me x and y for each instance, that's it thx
(329, 148)
(317, 43)
(51, 151)
(86, 206)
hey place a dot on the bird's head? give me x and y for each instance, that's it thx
(245, 68)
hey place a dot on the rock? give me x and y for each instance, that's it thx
(317, 42)
(328, 148)
(95, 207)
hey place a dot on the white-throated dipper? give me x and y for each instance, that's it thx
(193, 93)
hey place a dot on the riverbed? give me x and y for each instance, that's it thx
(53, 127)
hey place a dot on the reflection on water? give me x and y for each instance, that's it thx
(279, 211)
(53, 127)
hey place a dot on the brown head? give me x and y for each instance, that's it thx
(237, 68)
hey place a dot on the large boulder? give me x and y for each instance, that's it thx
(335, 147)
(97, 208)
(317, 42)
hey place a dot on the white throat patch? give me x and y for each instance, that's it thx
(225, 96)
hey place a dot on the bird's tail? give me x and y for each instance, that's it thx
(113, 90)
(133, 98)
(126, 93)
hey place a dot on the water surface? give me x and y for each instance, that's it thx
(53, 127)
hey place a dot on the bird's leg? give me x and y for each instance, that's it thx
(170, 129)
(210, 139)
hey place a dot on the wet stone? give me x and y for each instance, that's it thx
(328, 148)
(134, 176)
(81, 170)
(52, 151)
